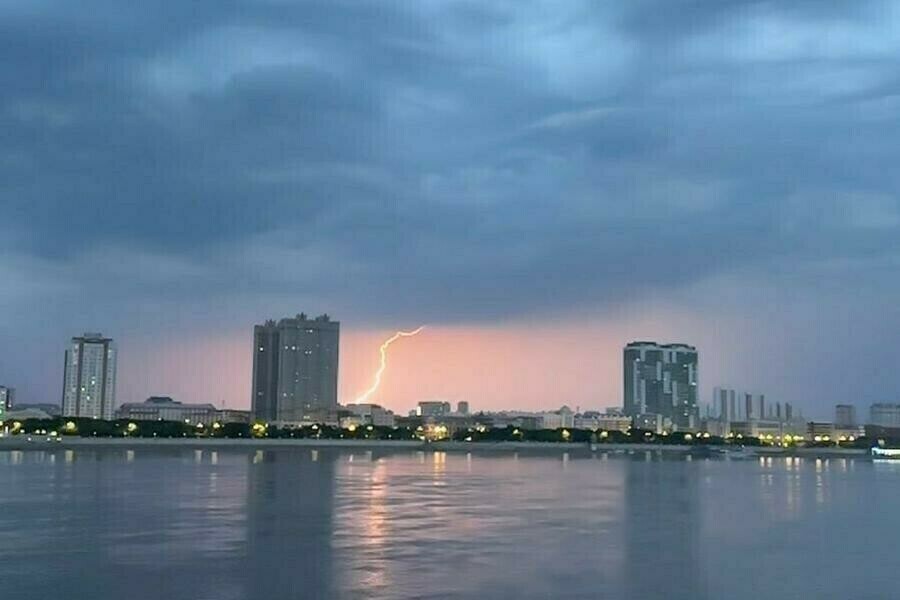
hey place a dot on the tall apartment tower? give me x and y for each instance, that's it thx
(7, 397)
(725, 400)
(295, 369)
(845, 415)
(662, 379)
(89, 378)
(884, 414)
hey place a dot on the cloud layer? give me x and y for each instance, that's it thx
(197, 168)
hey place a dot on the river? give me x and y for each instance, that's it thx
(235, 523)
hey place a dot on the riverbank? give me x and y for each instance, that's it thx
(22, 442)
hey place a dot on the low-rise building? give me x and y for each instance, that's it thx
(54, 410)
(819, 430)
(759, 428)
(557, 419)
(22, 414)
(717, 427)
(843, 434)
(596, 421)
(231, 415)
(371, 414)
(432, 408)
(650, 422)
(163, 408)
(503, 419)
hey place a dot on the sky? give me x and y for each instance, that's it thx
(538, 182)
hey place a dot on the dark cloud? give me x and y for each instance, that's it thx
(458, 161)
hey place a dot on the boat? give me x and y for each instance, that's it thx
(886, 453)
(734, 453)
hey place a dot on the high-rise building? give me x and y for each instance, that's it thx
(725, 400)
(462, 407)
(7, 398)
(885, 415)
(662, 379)
(89, 380)
(295, 370)
(749, 413)
(845, 415)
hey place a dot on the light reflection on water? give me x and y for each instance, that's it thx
(300, 523)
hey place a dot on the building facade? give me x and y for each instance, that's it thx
(556, 419)
(725, 401)
(845, 415)
(89, 378)
(731, 405)
(596, 421)
(370, 414)
(432, 408)
(295, 370)
(662, 379)
(163, 408)
(53, 410)
(654, 422)
(232, 415)
(884, 415)
(7, 399)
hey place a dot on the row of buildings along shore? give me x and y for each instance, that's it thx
(295, 383)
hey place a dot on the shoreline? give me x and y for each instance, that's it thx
(545, 448)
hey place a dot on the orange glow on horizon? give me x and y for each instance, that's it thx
(527, 365)
(383, 352)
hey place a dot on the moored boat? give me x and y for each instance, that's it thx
(886, 453)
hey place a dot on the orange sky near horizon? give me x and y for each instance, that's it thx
(518, 365)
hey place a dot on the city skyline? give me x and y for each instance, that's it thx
(537, 299)
(598, 173)
(639, 400)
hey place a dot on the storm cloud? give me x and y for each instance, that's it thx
(462, 163)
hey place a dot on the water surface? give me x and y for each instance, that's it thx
(178, 523)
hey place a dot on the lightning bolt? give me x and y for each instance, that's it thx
(384, 346)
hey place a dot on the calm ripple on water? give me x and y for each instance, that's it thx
(177, 523)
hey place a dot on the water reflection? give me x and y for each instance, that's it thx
(253, 524)
(662, 539)
(289, 526)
